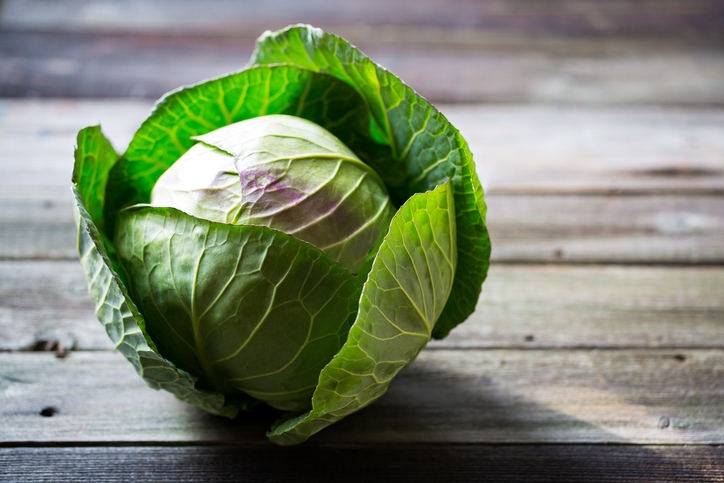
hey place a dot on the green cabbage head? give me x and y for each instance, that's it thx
(291, 234)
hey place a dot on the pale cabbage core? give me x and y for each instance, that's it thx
(285, 173)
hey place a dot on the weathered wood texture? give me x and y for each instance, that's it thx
(443, 67)
(566, 51)
(322, 463)
(524, 149)
(611, 229)
(522, 306)
(38, 224)
(650, 396)
(693, 17)
(518, 149)
(566, 372)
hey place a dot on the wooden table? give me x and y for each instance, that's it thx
(597, 349)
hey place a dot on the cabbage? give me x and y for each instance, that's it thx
(292, 234)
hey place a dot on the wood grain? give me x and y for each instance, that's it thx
(322, 463)
(522, 306)
(566, 372)
(537, 149)
(38, 224)
(693, 17)
(443, 66)
(595, 307)
(606, 229)
(518, 149)
(653, 396)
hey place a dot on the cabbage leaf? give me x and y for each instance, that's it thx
(424, 144)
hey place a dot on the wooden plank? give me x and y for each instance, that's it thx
(38, 224)
(519, 149)
(595, 307)
(364, 463)
(521, 306)
(693, 17)
(47, 301)
(446, 396)
(443, 66)
(606, 229)
(538, 149)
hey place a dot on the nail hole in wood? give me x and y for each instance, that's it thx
(49, 412)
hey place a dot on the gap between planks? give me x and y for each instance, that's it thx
(507, 396)
(518, 148)
(443, 68)
(522, 306)
(571, 51)
(654, 229)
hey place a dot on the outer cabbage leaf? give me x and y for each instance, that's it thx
(94, 158)
(404, 295)
(426, 147)
(248, 308)
(199, 109)
(115, 310)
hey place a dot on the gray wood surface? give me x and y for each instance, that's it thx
(497, 68)
(519, 149)
(564, 51)
(667, 229)
(692, 17)
(331, 463)
(522, 306)
(597, 349)
(623, 396)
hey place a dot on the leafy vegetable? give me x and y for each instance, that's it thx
(293, 234)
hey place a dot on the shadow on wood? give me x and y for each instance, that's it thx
(359, 463)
